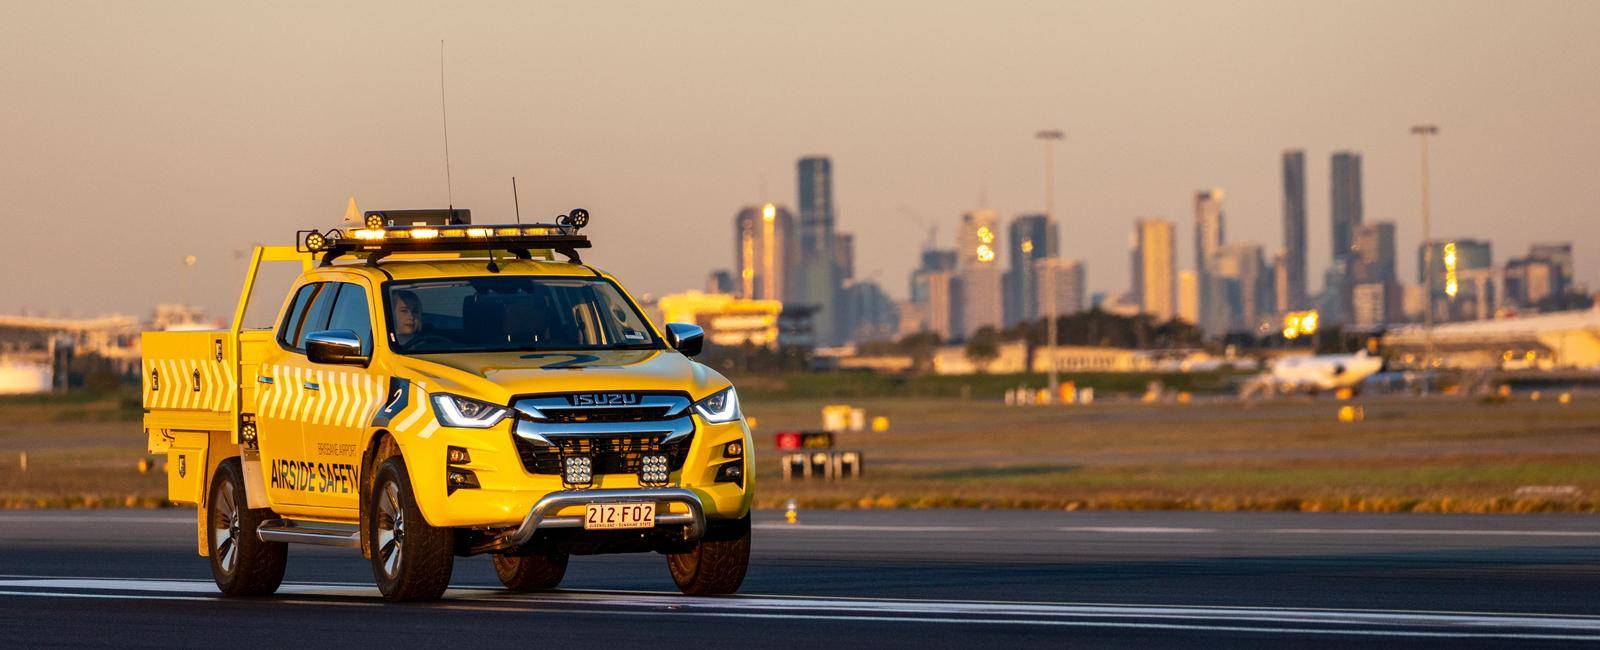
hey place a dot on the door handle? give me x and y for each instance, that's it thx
(311, 386)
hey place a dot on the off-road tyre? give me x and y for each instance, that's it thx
(241, 563)
(411, 560)
(716, 566)
(525, 573)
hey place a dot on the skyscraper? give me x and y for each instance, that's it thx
(1345, 200)
(1068, 281)
(980, 297)
(819, 281)
(816, 206)
(1373, 253)
(1154, 264)
(1294, 228)
(1346, 214)
(1243, 290)
(1031, 237)
(1189, 296)
(1208, 237)
(763, 242)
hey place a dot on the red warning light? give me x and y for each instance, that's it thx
(788, 440)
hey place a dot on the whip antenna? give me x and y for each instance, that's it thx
(514, 202)
(444, 116)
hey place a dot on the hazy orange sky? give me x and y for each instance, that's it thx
(136, 133)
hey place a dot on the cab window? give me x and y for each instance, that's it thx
(513, 313)
(296, 314)
(317, 316)
(350, 312)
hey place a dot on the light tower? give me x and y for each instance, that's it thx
(1050, 137)
(1422, 131)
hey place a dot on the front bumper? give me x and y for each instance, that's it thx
(509, 494)
(545, 514)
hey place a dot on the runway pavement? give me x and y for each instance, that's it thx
(857, 578)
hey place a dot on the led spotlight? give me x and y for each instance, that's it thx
(316, 242)
(579, 469)
(653, 469)
(374, 220)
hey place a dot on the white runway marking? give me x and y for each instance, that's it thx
(1432, 531)
(1261, 620)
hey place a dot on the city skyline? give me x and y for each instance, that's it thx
(207, 155)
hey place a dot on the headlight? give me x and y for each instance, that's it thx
(454, 411)
(721, 407)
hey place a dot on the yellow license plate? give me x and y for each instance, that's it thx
(602, 516)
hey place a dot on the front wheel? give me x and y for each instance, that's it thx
(526, 573)
(241, 563)
(411, 559)
(715, 566)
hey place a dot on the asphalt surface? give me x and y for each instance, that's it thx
(863, 578)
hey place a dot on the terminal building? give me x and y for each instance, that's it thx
(1556, 340)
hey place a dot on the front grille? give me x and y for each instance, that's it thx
(618, 414)
(619, 454)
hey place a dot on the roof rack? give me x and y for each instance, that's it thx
(379, 239)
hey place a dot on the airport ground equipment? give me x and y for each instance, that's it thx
(432, 388)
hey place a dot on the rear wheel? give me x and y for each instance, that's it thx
(531, 572)
(411, 559)
(241, 563)
(716, 566)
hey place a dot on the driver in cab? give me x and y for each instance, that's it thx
(407, 317)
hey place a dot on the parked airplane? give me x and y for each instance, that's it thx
(1323, 372)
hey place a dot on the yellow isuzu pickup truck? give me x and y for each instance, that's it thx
(433, 389)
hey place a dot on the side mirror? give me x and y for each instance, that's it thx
(340, 347)
(686, 338)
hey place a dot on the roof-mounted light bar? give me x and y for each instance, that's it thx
(381, 240)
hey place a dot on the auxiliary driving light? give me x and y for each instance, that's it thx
(374, 220)
(653, 469)
(579, 469)
(460, 479)
(731, 473)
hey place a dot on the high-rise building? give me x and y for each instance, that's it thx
(1154, 267)
(844, 255)
(1294, 229)
(1530, 281)
(1282, 291)
(1345, 200)
(979, 288)
(1452, 297)
(1372, 253)
(816, 206)
(871, 315)
(977, 299)
(977, 239)
(938, 308)
(721, 281)
(1559, 255)
(1066, 278)
(1242, 291)
(819, 278)
(1208, 237)
(763, 252)
(1031, 237)
(933, 260)
(1375, 303)
(1189, 296)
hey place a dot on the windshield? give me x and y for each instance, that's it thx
(512, 314)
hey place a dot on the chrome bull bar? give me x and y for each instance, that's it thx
(540, 517)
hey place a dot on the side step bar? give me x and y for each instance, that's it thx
(319, 534)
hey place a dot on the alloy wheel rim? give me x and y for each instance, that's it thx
(225, 529)
(391, 529)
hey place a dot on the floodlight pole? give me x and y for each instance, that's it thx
(1422, 131)
(1050, 137)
